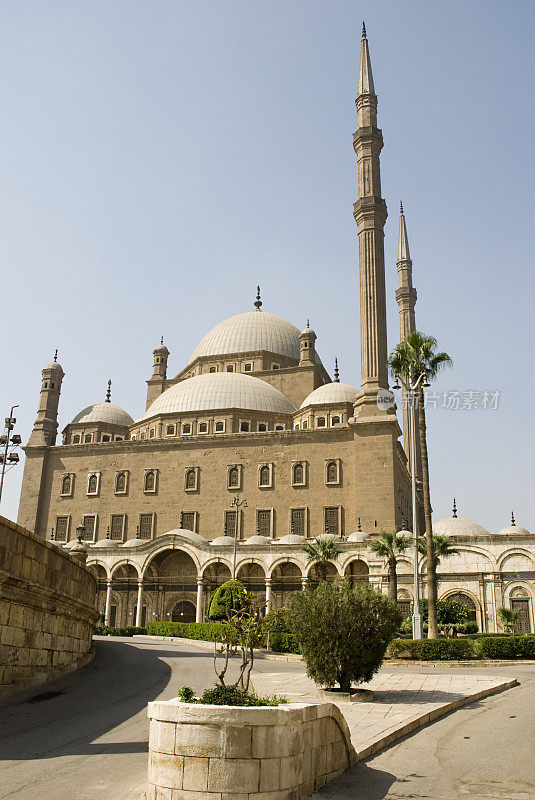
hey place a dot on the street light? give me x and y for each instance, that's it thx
(10, 459)
(237, 504)
(411, 388)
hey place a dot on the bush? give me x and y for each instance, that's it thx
(342, 631)
(283, 643)
(230, 596)
(203, 631)
(432, 649)
(448, 612)
(129, 630)
(507, 647)
(228, 696)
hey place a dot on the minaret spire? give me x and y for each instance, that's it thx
(108, 393)
(258, 302)
(336, 371)
(454, 509)
(406, 293)
(370, 215)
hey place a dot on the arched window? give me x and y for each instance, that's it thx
(120, 482)
(298, 473)
(335, 420)
(105, 437)
(170, 430)
(76, 438)
(262, 427)
(233, 478)
(92, 484)
(203, 427)
(321, 422)
(191, 479)
(66, 484)
(88, 438)
(220, 427)
(466, 601)
(332, 472)
(186, 427)
(265, 476)
(150, 481)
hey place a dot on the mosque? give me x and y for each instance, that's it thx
(251, 450)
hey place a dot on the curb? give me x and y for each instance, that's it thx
(204, 645)
(425, 719)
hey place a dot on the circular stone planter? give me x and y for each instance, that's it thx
(280, 752)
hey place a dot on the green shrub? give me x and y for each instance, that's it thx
(230, 596)
(283, 643)
(128, 630)
(507, 647)
(203, 631)
(342, 631)
(186, 694)
(432, 649)
(230, 696)
(449, 612)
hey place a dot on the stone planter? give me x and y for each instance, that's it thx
(201, 752)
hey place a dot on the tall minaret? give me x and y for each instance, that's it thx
(370, 215)
(406, 299)
(46, 424)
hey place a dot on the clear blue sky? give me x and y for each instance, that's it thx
(159, 159)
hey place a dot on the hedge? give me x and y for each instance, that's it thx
(432, 649)
(283, 643)
(203, 631)
(129, 630)
(507, 647)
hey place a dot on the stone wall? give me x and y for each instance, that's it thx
(47, 609)
(220, 752)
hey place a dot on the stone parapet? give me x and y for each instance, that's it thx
(260, 753)
(47, 609)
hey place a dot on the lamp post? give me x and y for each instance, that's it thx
(8, 442)
(237, 504)
(412, 389)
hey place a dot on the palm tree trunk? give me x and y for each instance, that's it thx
(431, 565)
(392, 580)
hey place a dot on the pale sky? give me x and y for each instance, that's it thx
(159, 159)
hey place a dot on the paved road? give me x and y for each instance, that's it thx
(88, 741)
(84, 737)
(485, 751)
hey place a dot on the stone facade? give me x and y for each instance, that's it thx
(225, 753)
(47, 609)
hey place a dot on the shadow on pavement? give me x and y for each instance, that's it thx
(66, 716)
(358, 783)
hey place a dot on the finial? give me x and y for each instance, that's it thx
(108, 393)
(56, 355)
(258, 302)
(161, 340)
(336, 372)
(108, 532)
(181, 519)
(454, 509)
(358, 526)
(52, 535)
(363, 29)
(308, 323)
(401, 206)
(292, 527)
(138, 535)
(513, 523)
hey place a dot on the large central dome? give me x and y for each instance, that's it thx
(219, 390)
(250, 332)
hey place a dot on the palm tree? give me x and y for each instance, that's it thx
(416, 361)
(508, 618)
(322, 552)
(443, 546)
(388, 546)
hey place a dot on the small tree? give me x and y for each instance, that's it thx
(388, 546)
(322, 552)
(227, 599)
(343, 631)
(242, 632)
(508, 618)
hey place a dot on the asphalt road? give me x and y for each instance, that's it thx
(84, 737)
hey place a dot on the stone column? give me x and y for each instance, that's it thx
(139, 604)
(108, 603)
(200, 600)
(268, 595)
(304, 583)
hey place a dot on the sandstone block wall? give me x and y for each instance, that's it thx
(224, 753)
(47, 609)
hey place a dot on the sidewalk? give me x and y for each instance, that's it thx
(402, 702)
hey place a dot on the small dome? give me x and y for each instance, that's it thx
(292, 538)
(358, 536)
(105, 543)
(104, 412)
(218, 390)
(135, 542)
(459, 526)
(191, 536)
(509, 529)
(251, 332)
(54, 365)
(161, 348)
(223, 540)
(331, 394)
(257, 539)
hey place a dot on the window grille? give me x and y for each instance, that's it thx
(230, 523)
(191, 479)
(117, 526)
(265, 476)
(263, 523)
(150, 481)
(92, 484)
(332, 472)
(332, 521)
(233, 478)
(298, 473)
(90, 525)
(62, 525)
(66, 484)
(188, 520)
(145, 526)
(298, 521)
(120, 482)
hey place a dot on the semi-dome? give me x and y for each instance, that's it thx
(248, 333)
(459, 526)
(331, 394)
(104, 412)
(218, 390)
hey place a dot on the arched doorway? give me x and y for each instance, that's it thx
(184, 611)
(357, 571)
(520, 603)
(124, 581)
(315, 575)
(99, 573)
(170, 572)
(286, 578)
